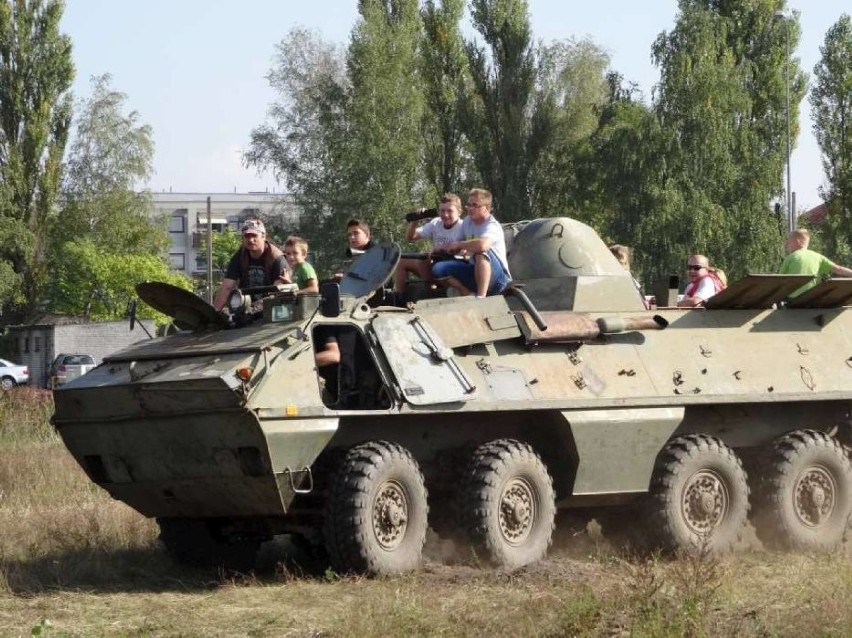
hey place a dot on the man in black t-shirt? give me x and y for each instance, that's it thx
(257, 263)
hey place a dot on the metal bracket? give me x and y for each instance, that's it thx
(298, 490)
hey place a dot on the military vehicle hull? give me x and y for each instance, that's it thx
(483, 417)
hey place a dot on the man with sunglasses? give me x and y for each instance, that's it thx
(703, 283)
(486, 271)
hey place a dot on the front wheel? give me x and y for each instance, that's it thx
(508, 503)
(804, 499)
(699, 496)
(376, 515)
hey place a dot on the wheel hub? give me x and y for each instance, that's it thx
(705, 502)
(814, 496)
(390, 515)
(517, 511)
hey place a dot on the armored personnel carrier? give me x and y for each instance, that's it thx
(478, 416)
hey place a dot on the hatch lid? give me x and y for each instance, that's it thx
(757, 291)
(370, 271)
(188, 310)
(425, 369)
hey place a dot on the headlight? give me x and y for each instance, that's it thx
(236, 301)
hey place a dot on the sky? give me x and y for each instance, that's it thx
(195, 70)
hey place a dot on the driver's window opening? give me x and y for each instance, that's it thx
(348, 376)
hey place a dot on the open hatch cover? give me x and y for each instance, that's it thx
(370, 271)
(188, 310)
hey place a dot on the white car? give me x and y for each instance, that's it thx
(12, 375)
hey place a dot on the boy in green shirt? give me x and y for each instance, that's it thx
(304, 275)
(801, 261)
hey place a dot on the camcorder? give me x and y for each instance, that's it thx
(423, 213)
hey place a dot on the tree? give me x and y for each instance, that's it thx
(36, 72)
(721, 109)
(831, 109)
(571, 92)
(110, 155)
(445, 78)
(506, 132)
(385, 113)
(103, 239)
(92, 283)
(305, 140)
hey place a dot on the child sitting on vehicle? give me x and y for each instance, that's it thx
(304, 275)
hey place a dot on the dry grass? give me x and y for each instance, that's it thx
(75, 563)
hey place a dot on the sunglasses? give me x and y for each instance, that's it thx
(691, 267)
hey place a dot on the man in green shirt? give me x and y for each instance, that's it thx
(801, 261)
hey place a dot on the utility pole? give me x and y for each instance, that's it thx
(791, 202)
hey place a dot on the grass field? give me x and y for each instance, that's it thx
(73, 562)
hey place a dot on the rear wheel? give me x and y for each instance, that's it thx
(508, 503)
(192, 542)
(7, 383)
(804, 499)
(699, 496)
(376, 515)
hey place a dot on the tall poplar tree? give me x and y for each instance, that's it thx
(36, 73)
(444, 75)
(506, 132)
(721, 107)
(385, 113)
(831, 109)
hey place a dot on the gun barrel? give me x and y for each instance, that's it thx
(564, 325)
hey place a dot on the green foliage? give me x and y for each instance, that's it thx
(506, 129)
(96, 284)
(721, 109)
(385, 113)
(445, 79)
(110, 154)
(831, 107)
(572, 91)
(346, 131)
(36, 72)
(224, 245)
(305, 141)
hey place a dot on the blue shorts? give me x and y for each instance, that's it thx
(463, 270)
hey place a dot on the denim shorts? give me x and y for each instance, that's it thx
(464, 271)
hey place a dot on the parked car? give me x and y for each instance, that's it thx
(67, 367)
(12, 374)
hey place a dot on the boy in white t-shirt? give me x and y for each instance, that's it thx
(442, 230)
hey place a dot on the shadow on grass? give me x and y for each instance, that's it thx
(150, 569)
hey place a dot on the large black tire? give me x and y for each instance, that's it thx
(804, 496)
(376, 514)
(191, 542)
(699, 496)
(508, 506)
(7, 383)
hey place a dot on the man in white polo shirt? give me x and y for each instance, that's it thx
(486, 270)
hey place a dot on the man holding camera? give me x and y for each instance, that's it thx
(444, 227)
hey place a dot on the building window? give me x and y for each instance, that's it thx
(177, 224)
(178, 261)
(37, 344)
(26, 344)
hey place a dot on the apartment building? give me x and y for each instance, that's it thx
(187, 215)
